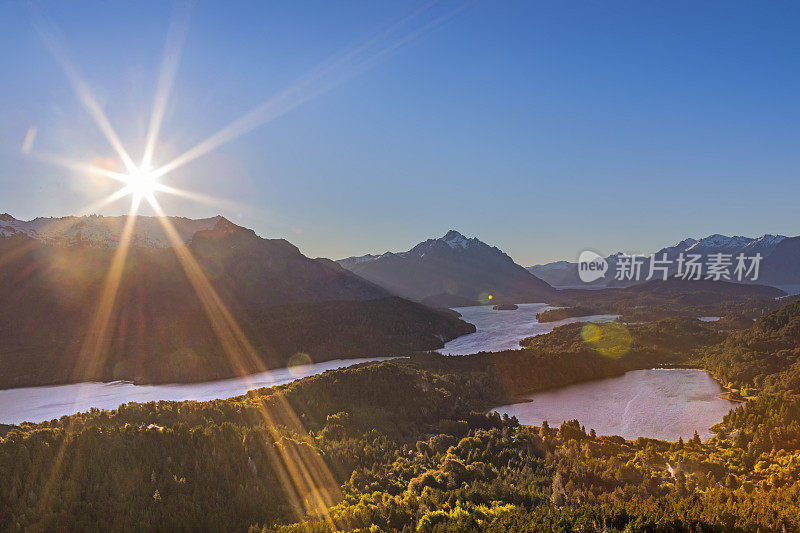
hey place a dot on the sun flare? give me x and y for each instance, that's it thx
(142, 183)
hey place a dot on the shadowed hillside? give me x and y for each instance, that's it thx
(158, 329)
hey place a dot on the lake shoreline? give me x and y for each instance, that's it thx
(188, 382)
(39, 404)
(724, 395)
(622, 404)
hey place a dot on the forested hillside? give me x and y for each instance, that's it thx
(674, 297)
(61, 310)
(402, 445)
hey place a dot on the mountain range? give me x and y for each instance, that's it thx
(779, 264)
(450, 271)
(52, 273)
(102, 231)
(782, 267)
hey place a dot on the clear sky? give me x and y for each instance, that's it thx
(541, 127)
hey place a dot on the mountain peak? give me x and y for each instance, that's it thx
(450, 266)
(768, 240)
(223, 225)
(719, 241)
(685, 243)
(455, 240)
(216, 228)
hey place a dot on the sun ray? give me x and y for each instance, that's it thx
(176, 37)
(92, 354)
(338, 69)
(308, 482)
(111, 198)
(84, 94)
(200, 197)
(58, 224)
(309, 475)
(79, 167)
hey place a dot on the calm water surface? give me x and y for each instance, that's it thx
(502, 330)
(37, 404)
(497, 330)
(659, 403)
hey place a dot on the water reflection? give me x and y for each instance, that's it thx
(502, 330)
(37, 404)
(658, 403)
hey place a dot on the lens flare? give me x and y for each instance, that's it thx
(306, 478)
(298, 364)
(611, 339)
(590, 333)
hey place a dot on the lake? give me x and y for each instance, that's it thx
(502, 330)
(37, 404)
(659, 403)
(496, 330)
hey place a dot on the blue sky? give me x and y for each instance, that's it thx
(541, 127)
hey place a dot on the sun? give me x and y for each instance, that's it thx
(141, 182)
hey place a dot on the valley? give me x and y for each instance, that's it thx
(590, 406)
(495, 332)
(399, 267)
(164, 329)
(406, 442)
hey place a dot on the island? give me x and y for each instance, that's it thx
(562, 313)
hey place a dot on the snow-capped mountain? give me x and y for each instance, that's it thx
(102, 231)
(453, 239)
(722, 244)
(352, 261)
(565, 274)
(450, 268)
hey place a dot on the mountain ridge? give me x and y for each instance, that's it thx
(105, 231)
(451, 265)
(564, 274)
(159, 330)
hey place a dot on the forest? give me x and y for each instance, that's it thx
(674, 298)
(161, 331)
(406, 445)
(560, 313)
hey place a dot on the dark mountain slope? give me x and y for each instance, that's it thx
(284, 302)
(451, 265)
(782, 267)
(674, 297)
(565, 274)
